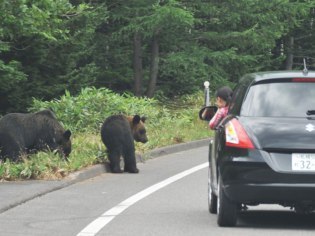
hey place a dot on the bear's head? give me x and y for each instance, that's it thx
(61, 143)
(65, 144)
(138, 129)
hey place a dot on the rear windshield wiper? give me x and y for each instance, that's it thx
(310, 112)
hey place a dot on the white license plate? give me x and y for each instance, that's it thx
(303, 161)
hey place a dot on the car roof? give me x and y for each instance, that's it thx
(267, 75)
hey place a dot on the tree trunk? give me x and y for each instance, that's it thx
(289, 53)
(137, 65)
(154, 67)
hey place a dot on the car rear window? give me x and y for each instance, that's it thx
(285, 99)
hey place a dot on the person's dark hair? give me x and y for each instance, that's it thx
(225, 93)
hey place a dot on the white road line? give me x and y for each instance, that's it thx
(95, 226)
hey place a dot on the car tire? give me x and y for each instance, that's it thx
(226, 210)
(212, 198)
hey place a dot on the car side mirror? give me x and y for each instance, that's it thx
(207, 112)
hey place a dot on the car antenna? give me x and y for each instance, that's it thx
(305, 71)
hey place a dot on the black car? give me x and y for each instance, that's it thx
(263, 152)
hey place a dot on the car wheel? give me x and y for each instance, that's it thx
(227, 210)
(212, 198)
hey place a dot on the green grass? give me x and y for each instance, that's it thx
(169, 124)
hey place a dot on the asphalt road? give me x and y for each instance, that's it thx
(167, 197)
(14, 193)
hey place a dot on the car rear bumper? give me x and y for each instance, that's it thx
(270, 193)
(251, 180)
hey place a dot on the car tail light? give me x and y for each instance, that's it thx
(236, 136)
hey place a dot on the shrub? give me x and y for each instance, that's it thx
(87, 111)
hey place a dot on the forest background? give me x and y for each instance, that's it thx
(81, 57)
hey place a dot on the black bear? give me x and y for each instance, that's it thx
(24, 133)
(118, 133)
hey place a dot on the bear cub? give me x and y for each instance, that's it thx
(118, 133)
